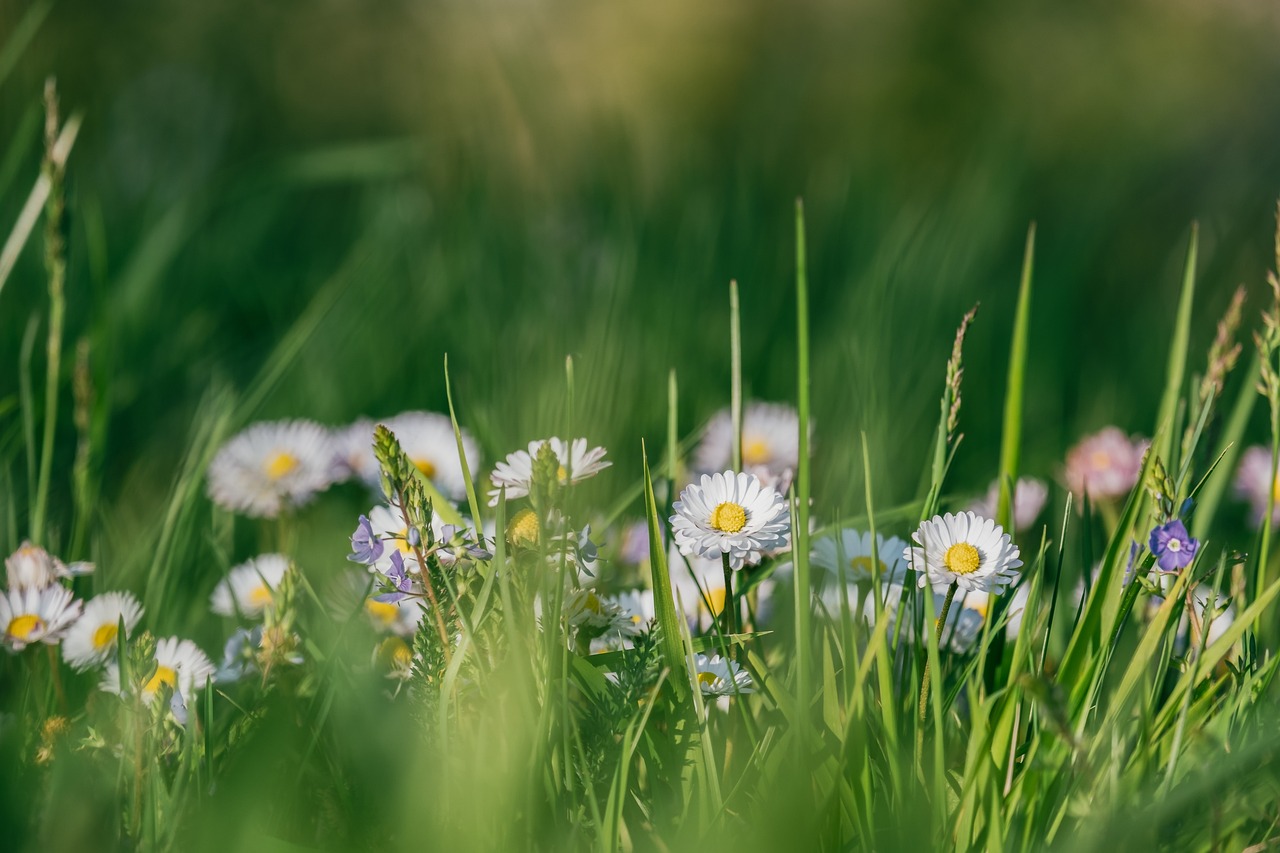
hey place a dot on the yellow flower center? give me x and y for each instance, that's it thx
(401, 541)
(728, 517)
(426, 467)
(260, 596)
(394, 653)
(383, 612)
(755, 451)
(281, 464)
(522, 531)
(1276, 491)
(1100, 460)
(864, 566)
(707, 679)
(22, 627)
(164, 675)
(962, 558)
(592, 603)
(715, 597)
(562, 474)
(105, 635)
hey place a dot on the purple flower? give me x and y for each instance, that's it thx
(1173, 546)
(366, 546)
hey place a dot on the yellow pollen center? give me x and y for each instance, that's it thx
(281, 464)
(562, 474)
(522, 532)
(715, 598)
(401, 541)
(1276, 491)
(755, 452)
(1100, 460)
(424, 465)
(105, 636)
(728, 517)
(383, 612)
(707, 679)
(22, 627)
(164, 675)
(864, 566)
(962, 558)
(592, 603)
(260, 596)
(394, 653)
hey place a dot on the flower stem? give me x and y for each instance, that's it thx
(924, 682)
(730, 600)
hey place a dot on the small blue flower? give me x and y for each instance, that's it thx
(397, 575)
(1173, 546)
(366, 546)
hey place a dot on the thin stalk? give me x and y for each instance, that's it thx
(735, 381)
(730, 609)
(800, 532)
(924, 681)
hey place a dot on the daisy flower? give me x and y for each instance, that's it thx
(271, 467)
(964, 549)
(1029, 496)
(400, 618)
(180, 665)
(586, 608)
(720, 677)
(36, 616)
(1105, 465)
(577, 463)
(32, 567)
(733, 514)
(394, 657)
(770, 441)
(849, 553)
(1253, 484)
(427, 439)
(247, 588)
(92, 639)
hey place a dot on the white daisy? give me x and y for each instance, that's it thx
(179, 664)
(719, 677)
(770, 442)
(92, 639)
(353, 456)
(849, 553)
(247, 588)
(395, 617)
(394, 657)
(635, 610)
(272, 466)
(427, 439)
(577, 463)
(964, 549)
(32, 567)
(36, 616)
(584, 607)
(1029, 496)
(732, 514)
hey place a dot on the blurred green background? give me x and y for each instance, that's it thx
(514, 182)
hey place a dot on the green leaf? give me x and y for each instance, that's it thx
(663, 604)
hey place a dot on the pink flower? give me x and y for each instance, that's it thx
(1253, 484)
(1029, 496)
(1106, 464)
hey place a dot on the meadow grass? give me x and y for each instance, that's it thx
(1115, 716)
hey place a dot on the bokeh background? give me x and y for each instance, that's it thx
(513, 182)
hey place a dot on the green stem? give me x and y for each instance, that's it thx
(730, 610)
(924, 682)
